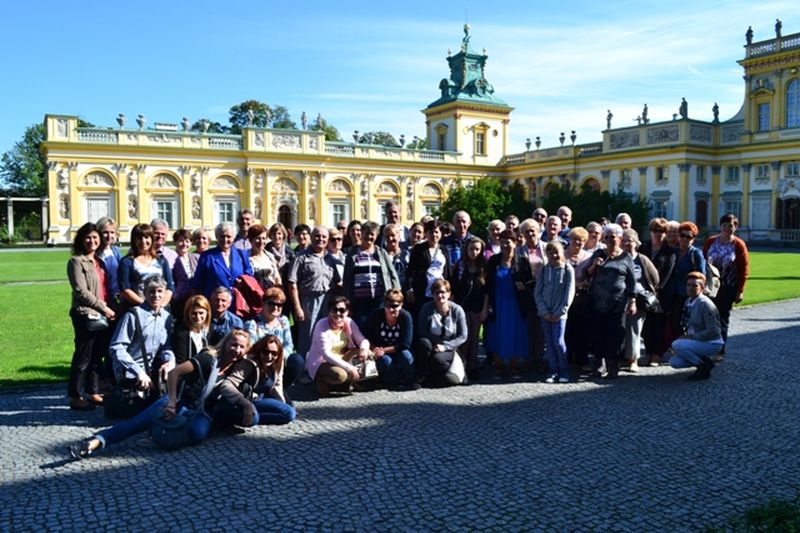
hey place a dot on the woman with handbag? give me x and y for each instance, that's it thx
(194, 377)
(252, 392)
(91, 311)
(331, 339)
(264, 268)
(442, 327)
(663, 257)
(646, 283)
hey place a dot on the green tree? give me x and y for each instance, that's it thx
(418, 143)
(485, 201)
(239, 116)
(22, 169)
(382, 138)
(589, 205)
(213, 127)
(281, 119)
(331, 133)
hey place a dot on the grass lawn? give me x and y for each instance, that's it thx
(36, 332)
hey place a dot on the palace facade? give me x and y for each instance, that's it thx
(689, 169)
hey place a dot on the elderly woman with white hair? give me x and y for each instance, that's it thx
(493, 232)
(221, 265)
(646, 283)
(612, 295)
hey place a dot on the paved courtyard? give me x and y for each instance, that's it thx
(647, 452)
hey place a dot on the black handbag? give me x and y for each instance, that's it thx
(648, 301)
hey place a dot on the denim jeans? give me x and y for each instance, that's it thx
(690, 352)
(270, 411)
(556, 347)
(199, 426)
(396, 368)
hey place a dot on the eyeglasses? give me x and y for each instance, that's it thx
(336, 238)
(272, 353)
(393, 305)
(275, 305)
(609, 237)
(340, 310)
(686, 236)
(658, 230)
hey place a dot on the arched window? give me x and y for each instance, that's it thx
(793, 104)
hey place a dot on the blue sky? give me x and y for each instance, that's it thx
(375, 65)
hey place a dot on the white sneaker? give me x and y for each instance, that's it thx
(552, 378)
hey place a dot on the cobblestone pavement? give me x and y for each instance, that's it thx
(647, 452)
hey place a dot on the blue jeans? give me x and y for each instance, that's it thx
(690, 352)
(556, 347)
(272, 412)
(293, 367)
(199, 425)
(396, 368)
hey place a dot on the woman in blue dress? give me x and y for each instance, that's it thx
(507, 337)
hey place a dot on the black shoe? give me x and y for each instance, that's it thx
(703, 371)
(474, 374)
(80, 450)
(406, 387)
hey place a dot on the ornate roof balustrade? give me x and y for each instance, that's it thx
(771, 46)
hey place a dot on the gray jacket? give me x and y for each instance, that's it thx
(555, 289)
(704, 324)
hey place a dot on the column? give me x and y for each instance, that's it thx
(45, 218)
(10, 208)
(746, 195)
(642, 181)
(74, 199)
(683, 189)
(775, 166)
(715, 170)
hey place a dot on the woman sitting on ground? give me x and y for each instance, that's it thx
(331, 339)
(92, 301)
(390, 331)
(140, 264)
(191, 336)
(274, 322)
(254, 388)
(193, 376)
(442, 329)
(701, 338)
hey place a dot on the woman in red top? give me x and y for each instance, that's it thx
(729, 254)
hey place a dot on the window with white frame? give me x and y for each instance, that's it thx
(732, 174)
(660, 208)
(429, 208)
(340, 210)
(762, 171)
(166, 208)
(97, 207)
(793, 168)
(732, 205)
(625, 177)
(225, 210)
(763, 117)
(793, 104)
(701, 174)
(662, 173)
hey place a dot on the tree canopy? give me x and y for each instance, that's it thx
(239, 115)
(589, 205)
(383, 138)
(320, 124)
(485, 201)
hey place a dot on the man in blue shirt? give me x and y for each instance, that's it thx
(222, 320)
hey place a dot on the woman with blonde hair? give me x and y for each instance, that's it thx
(554, 292)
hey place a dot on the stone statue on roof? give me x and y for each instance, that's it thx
(465, 40)
(609, 116)
(683, 110)
(778, 26)
(715, 110)
(749, 35)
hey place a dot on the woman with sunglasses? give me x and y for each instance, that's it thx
(663, 257)
(612, 296)
(274, 322)
(332, 337)
(390, 331)
(262, 370)
(688, 258)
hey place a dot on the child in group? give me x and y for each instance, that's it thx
(554, 292)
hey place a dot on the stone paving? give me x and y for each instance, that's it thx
(647, 452)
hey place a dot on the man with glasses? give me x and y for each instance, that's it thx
(311, 275)
(540, 216)
(244, 220)
(160, 230)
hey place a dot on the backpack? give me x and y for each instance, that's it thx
(248, 297)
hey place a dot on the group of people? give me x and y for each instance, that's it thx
(402, 306)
